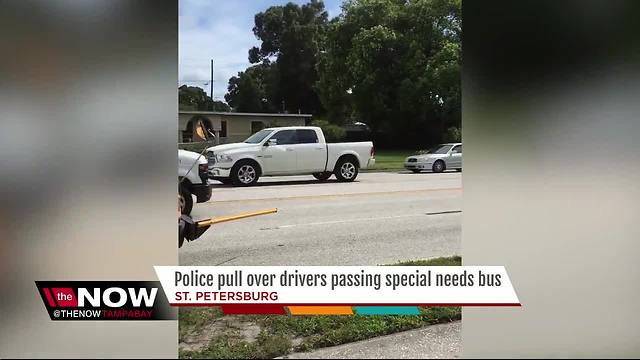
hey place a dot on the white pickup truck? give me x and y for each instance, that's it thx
(299, 150)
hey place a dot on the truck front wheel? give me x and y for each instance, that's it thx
(346, 169)
(245, 173)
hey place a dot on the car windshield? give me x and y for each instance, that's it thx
(258, 137)
(440, 149)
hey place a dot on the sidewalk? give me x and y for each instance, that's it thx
(437, 341)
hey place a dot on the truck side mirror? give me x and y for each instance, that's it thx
(271, 142)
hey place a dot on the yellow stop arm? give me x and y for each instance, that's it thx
(221, 219)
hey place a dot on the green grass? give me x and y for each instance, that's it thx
(193, 320)
(233, 346)
(323, 330)
(280, 335)
(441, 261)
(389, 160)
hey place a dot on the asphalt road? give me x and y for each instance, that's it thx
(381, 218)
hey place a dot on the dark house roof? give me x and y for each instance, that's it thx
(243, 114)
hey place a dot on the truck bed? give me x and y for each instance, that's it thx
(361, 150)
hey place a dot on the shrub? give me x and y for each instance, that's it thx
(332, 132)
(452, 134)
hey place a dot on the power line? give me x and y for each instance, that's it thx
(219, 67)
(198, 59)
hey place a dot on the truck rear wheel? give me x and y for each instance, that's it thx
(245, 173)
(185, 200)
(346, 169)
(322, 176)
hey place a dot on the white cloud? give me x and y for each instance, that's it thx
(220, 30)
(206, 31)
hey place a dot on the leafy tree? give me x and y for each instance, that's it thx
(254, 90)
(395, 65)
(195, 98)
(452, 135)
(221, 106)
(293, 36)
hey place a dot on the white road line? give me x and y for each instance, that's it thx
(325, 196)
(356, 220)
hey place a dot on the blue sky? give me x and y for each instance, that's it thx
(221, 30)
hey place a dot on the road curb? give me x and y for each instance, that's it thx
(442, 341)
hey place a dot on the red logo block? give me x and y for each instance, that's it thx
(65, 297)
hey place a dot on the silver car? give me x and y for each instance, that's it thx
(437, 159)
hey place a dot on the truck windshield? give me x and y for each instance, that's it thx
(258, 137)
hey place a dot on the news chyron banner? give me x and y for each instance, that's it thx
(294, 290)
(305, 290)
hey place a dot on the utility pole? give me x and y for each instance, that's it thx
(211, 92)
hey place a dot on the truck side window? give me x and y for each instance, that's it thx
(306, 137)
(457, 150)
(285, 137)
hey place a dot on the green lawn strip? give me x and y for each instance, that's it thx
(318, 331)
(441, 261)
(391, 159)
(234, 346)
(193, 320)
(280, 335)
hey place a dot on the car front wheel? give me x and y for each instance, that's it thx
(438, 166)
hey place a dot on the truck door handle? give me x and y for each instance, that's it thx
(319, 148)
(289, 149)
